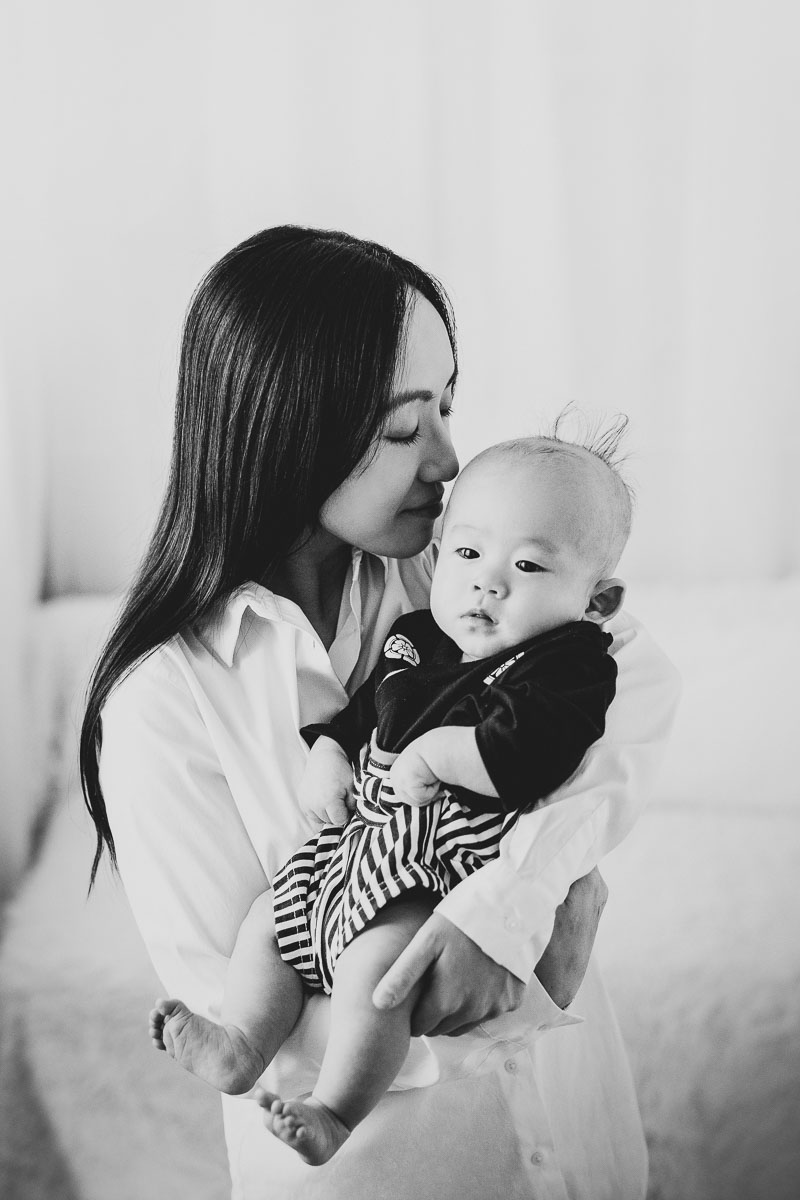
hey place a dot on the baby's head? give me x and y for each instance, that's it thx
(532, 534)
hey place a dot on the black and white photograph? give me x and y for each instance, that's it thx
(400, 528)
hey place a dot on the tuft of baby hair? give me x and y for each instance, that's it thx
(600, 436)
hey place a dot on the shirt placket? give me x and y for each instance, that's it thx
(346, 646)
(536, 1144)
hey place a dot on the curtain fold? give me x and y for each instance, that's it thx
(608, 191)
(21, 551)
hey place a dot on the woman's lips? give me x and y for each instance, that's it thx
(432, 510)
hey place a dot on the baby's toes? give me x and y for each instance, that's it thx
(156, 1028)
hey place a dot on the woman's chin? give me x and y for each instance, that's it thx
(403, 542)
(407, 547)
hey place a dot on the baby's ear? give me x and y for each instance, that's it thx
(606, 600)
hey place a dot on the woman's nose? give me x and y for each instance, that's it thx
(440, 463)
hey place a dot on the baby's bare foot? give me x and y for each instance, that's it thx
(219, 1054)
(307, 1126)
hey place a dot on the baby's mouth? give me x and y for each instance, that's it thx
(478, 614)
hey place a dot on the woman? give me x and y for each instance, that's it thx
(311, 446)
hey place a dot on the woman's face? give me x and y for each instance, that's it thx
(389, 505)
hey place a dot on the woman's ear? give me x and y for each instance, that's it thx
(605, 600)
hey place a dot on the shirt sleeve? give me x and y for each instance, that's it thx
(508, 907)
(187, 863)
(543, 717)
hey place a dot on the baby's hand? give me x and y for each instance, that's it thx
(413, 780)
(326, 791)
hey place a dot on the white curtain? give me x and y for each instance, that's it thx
(21, 545)
(608, 190)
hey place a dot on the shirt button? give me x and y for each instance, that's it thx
(511, 922)
(537, 1158)
(511, 1066)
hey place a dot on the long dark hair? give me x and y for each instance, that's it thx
(289, 351)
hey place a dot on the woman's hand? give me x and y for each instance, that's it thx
(326, 789)
(467, 987)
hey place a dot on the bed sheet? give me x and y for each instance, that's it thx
(88, 1109)
(698, 946)
(700, 952)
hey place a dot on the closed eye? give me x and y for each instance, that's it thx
(467, 552)
(407, 439)
(525, 564)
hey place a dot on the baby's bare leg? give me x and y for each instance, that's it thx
(263, 998)
(366, 1046)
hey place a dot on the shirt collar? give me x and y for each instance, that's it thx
(221, 631)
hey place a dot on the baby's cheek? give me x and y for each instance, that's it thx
(442, 607)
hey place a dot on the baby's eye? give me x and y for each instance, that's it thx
(525, 564)
(467, 552)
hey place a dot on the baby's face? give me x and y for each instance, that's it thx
(513, 560)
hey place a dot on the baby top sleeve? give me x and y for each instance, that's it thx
(541, 714)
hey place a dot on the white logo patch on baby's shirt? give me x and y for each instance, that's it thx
(498, 671)
(400, 647)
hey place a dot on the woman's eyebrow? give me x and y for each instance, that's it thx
(401, 398)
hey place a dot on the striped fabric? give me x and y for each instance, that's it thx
(333, 886)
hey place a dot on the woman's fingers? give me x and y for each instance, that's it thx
(407, 969)
(463, 986)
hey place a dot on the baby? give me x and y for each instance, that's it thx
(476, 711)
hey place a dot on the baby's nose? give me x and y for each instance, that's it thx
(492, 587)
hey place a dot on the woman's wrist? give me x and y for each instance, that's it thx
(562, 967)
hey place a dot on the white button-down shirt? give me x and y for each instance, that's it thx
(200, 767)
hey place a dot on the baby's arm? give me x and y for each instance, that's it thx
(326, 789)
(446, 755)
(534, 727)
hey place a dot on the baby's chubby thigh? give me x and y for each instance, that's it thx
(367, 958)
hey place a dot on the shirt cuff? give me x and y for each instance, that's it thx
(543, 1013)
(509, 918)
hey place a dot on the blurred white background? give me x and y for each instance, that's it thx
(610, 193)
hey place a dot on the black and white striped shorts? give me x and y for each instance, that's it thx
(333, 886)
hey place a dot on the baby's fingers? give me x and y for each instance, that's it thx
(337, 812)
(418, 798)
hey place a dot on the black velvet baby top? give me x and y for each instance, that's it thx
(536, 707)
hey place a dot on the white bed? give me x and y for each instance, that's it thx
(699, 943)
